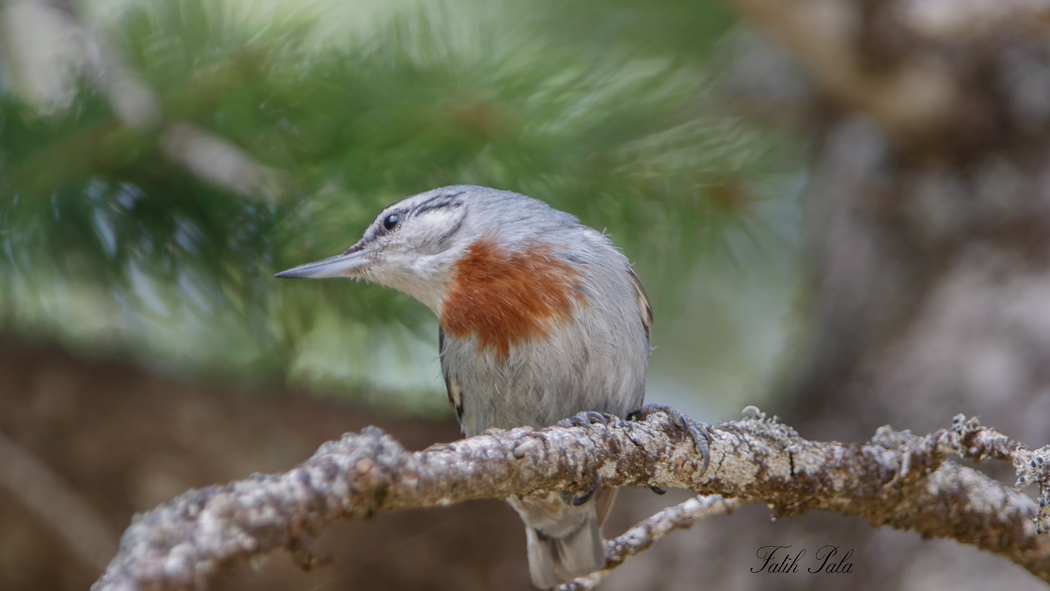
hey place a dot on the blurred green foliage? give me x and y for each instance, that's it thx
(105, 238)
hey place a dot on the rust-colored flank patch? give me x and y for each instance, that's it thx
(507, 298)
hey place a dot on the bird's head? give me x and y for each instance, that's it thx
(410, 246)
(415, 244)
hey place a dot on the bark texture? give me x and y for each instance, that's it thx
(896, 479)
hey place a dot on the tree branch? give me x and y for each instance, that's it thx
(914, 98)
(968, 20)
(897, 479)
(639, 538)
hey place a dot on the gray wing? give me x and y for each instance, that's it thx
(643, 304)
(455, 392)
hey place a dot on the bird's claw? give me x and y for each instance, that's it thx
(698, 432)
(577, 501)
(586, 418)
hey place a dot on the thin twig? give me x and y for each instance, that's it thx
(639, 538)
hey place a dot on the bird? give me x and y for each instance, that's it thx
(541, 318)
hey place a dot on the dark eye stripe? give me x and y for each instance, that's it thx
(437, 202)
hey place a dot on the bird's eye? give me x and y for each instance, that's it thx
(390, 221)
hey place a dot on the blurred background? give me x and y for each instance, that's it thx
(840, 210)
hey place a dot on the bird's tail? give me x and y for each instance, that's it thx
(564, 542)
(553, 561)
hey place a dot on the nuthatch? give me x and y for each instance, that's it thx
(541, 318)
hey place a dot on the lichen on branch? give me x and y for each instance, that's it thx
(897, 479)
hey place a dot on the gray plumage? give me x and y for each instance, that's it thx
(594, 358)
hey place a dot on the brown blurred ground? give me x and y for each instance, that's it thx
(126, 441)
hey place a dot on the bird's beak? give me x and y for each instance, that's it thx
(341, 265)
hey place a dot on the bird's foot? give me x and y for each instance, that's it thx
(584, 419)
(697, 431)
(577, 500)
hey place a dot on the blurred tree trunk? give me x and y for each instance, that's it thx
(929, 218)
(931, 285)
(928, 249)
